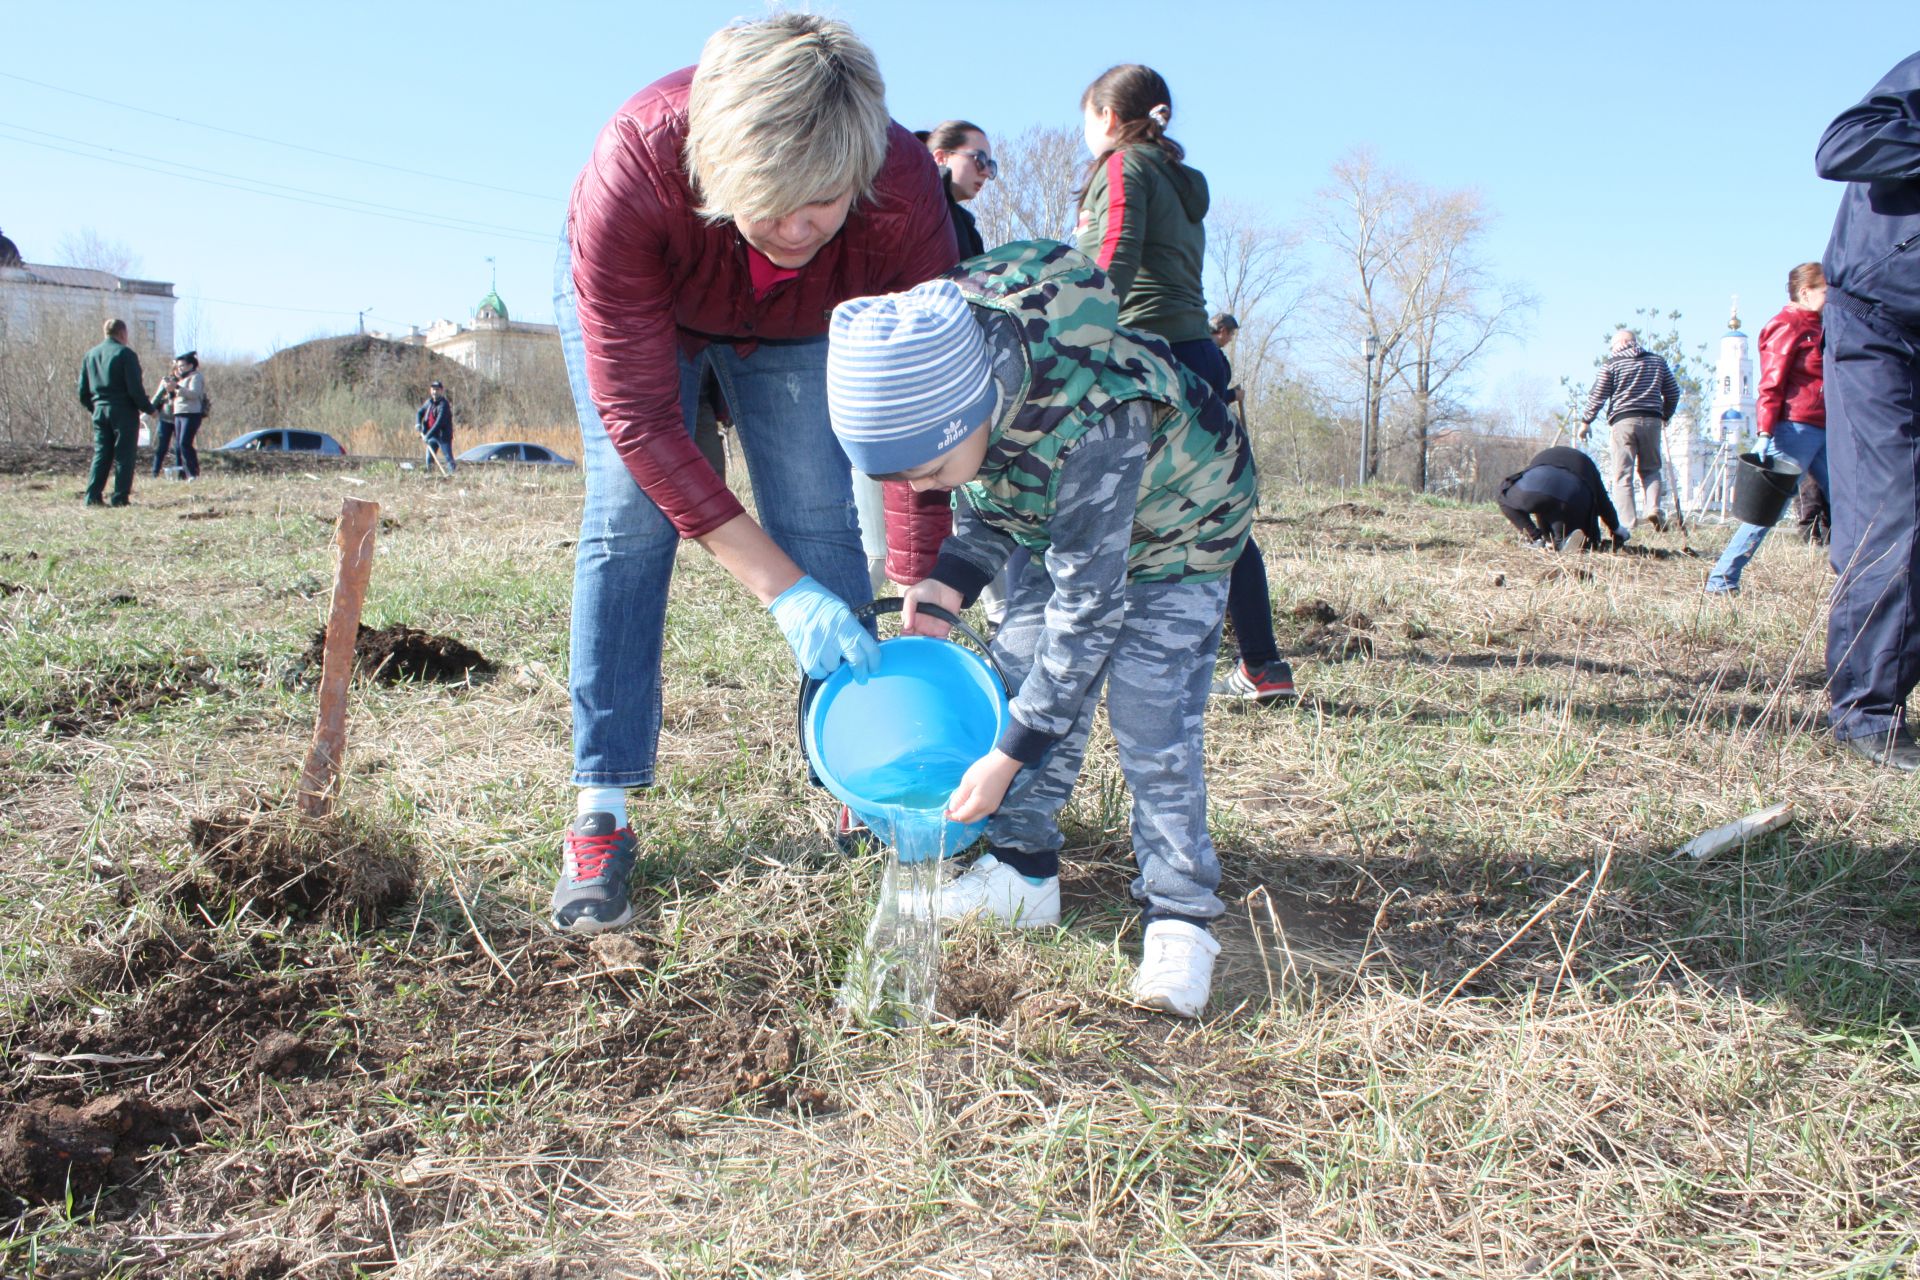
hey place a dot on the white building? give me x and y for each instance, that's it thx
(1729, 428)
(493, 345)
(41, 301)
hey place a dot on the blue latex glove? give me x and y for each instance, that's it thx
(1768, 448)
(822, 631)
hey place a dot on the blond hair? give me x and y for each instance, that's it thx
(784, 112)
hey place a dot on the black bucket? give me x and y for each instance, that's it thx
(1762, 488)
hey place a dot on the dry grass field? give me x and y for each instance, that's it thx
(1474, 1019)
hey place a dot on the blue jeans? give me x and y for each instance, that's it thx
(162, 440)
(188, 426)
(1806, 445)
(802, 487)
(442, 445)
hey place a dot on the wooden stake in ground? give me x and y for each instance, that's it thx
(353, 537)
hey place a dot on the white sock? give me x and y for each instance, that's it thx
(611, 800)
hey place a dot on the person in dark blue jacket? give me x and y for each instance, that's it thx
(1557, 495)
(434, 421)
(1872, 365)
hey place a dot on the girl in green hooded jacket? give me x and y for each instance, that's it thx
(1142, 221)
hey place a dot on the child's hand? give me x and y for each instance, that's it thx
(982, 787)
(927, 591)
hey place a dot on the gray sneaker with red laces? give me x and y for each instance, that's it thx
(596, 861)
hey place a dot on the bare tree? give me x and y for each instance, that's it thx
(1036, 195)
(1456, 308)
(1410, 254)
(1255, 272)
(88, 248)
(1358, 219)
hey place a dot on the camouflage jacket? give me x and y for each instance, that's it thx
(1197, 493)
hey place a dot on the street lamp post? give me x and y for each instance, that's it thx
(1371, 349)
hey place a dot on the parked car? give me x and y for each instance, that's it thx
(516, 451)
(286, 440)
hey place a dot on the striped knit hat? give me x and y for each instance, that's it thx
(908, 376)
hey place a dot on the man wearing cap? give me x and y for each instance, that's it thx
(1131, 487)
(434, 421)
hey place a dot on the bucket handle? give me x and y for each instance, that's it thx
(893, 604)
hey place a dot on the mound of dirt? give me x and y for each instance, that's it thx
(1332, 635)
(399, 652)
(359, 359)
(1340, 641)
(1352, 510)
(280, 861)
(50, 1149)
(708, 1057)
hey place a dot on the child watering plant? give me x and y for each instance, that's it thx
(1132, 487)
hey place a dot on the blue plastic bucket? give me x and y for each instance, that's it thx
(894, 745)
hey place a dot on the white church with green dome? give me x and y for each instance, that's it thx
(493, 343)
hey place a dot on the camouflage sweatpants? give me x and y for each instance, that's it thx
(1157, 677)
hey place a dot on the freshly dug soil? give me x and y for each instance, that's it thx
(281, 861)
(1330, 634)
(215, 1016)
(399, 652)
(50, 1149)
(979, 979)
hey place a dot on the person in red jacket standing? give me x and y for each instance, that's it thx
(1792, 407)
(726, 209)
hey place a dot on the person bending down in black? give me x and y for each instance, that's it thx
(1560, 494)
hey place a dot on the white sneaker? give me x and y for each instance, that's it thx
(1176, 968)
(992, 889)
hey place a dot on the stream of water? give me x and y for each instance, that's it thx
(895, 976)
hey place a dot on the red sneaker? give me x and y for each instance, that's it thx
(1271, 682)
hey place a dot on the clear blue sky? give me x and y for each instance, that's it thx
(1659, 155)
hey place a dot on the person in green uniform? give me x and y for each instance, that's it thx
(111, 390)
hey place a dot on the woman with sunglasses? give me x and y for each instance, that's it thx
(1142, 221)
(966, 165)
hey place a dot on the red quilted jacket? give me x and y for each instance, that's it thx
(652, 276)
(1790, 378)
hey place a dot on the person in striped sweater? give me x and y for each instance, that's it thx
(1639, 393)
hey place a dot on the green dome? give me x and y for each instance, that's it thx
(491, 306)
